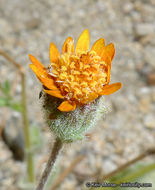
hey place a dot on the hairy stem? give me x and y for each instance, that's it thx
(53, 155)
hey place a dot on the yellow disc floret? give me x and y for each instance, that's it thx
(79, 77)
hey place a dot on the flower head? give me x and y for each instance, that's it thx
(77, 76)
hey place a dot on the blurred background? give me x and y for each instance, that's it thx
(128, 129)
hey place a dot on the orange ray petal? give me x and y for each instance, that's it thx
(44, 78)
(105, 57)
(55, 93)
(108, 73)
(49, 83)
(66, 106)
(68, 46)
(110, 49)
(36, 62)
(110, 89)
(91, 97)
(53, 53)
(83, 42)
(38, 71)
(98, 46)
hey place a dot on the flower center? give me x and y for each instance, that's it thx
(79, 77)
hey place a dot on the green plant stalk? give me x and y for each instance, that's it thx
(137, 174)
(146, 169)
(132, 176)
(29, 154)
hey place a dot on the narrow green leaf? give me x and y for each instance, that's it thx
(16, 106)
(7, 86)
(5, 89)
(3, 102)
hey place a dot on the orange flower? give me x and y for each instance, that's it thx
(78, 77)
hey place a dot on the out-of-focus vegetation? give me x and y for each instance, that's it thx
(36, 141)
(6, 98)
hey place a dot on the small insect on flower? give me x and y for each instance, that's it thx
(77, 76)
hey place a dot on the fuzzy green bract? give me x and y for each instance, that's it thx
(72, 126)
